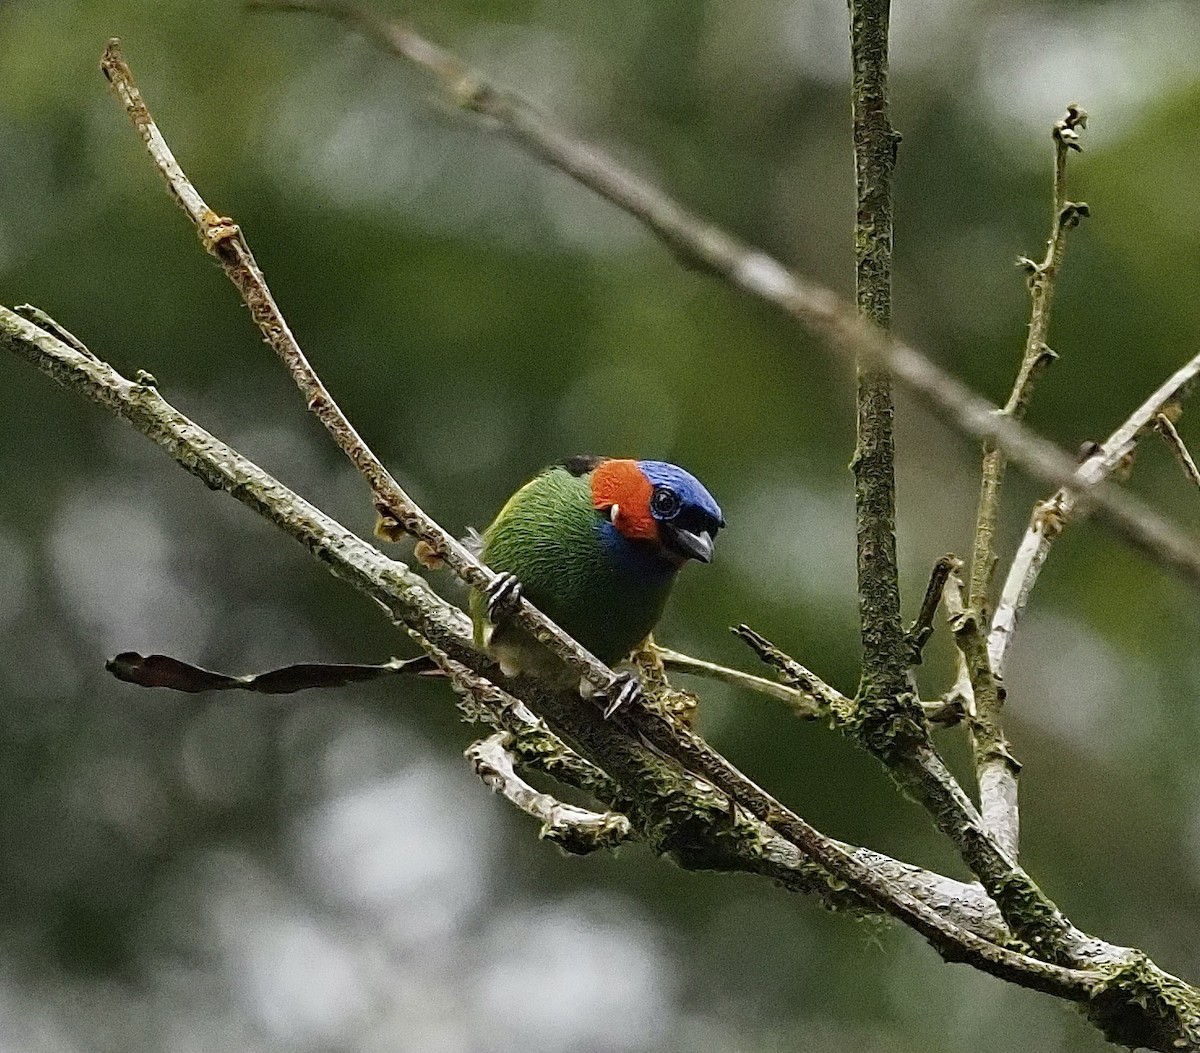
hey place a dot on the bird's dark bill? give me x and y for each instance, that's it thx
(689, 544)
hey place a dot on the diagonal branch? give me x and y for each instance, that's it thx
(223, 238)
(711, 248)
(1052, 515)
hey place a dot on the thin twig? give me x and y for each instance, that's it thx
(996, 768)
(754, 272)
(1165, 428)
(1052, 515)
(1035, 357)
(577, 830)
(223, 238)
(922, 628)
(831, 701)
(802, 703)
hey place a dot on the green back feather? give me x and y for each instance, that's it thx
(547, 536)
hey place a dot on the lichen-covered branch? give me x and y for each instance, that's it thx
(710, 248)
(918, 769)
(884, 687)
(667, 806)
(996, 768)
(576, 830)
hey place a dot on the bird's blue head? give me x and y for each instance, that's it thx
(660, 502)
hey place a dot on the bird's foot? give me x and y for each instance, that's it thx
(503, 596)
(626, 690)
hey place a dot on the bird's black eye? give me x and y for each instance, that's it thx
(664, 503)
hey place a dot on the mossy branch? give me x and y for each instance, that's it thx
(885, 658)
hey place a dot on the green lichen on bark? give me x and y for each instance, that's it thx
(884, 653)
(1031, 915)
(1139, 1006)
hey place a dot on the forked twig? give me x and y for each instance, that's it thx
(1052, 515)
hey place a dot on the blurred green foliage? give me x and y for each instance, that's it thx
(195, 874)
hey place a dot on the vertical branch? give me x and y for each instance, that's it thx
(875, 143)
(1036, 356)
(995, 767)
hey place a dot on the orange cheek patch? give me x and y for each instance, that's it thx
(621, 483)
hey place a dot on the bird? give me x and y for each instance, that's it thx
(595, 543)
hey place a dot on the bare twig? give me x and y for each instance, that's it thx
(1165, 428)
(922, 628)
(223, 238)
(576, 830)
(1036, 356)
(832, 702)
(802, 703)
(995, 767)
(1052, 515)
(756, 273)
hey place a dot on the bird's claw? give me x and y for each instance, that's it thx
(503, 596)
(626, 690)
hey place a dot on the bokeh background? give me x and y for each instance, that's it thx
(323, 872)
